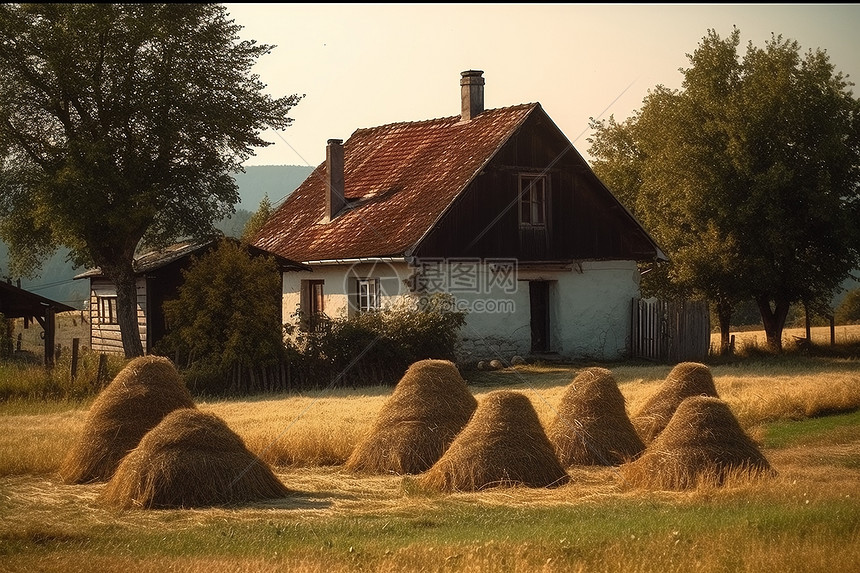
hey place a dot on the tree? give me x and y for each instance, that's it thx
(121, 124)
(257, 220)
(227, 311)
(749, 176)
(848, 311)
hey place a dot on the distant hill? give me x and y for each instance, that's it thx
(56, 280)
(276, 181)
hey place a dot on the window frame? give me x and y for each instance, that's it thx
(533, 200)
(312, 303)
(367, 301)
(107, 309)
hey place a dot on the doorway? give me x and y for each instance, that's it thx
(539, 306)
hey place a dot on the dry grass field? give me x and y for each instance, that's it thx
(803, 412)
(820, 335)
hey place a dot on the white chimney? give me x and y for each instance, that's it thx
(471, 94)
(334, 198)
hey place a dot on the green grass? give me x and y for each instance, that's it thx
(832, 429)
(568, 535)
(22, 381)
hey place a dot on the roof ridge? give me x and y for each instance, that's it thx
(446, 118)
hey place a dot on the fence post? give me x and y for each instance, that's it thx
(75, 347)
(101, 377)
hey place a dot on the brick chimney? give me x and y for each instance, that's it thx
(334, 199)
(471, 94)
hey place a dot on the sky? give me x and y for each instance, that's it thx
(365, 65)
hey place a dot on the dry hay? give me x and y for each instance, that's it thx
(426, 411)
(503, 444)
(135, 401)
(686, 379)
(703, 445)
(591, 426)
(191, 459)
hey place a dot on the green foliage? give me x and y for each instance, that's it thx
(377, 347)
(227, 313)
(132, 114)
(747, 177)
(234, 225)
(848, 311)
(257, 220)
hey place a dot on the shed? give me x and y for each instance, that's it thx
(16, 302)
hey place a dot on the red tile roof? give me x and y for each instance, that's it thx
(398, 180)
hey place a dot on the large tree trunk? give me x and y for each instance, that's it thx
(724, 316)
(126, 308)
(773, 319)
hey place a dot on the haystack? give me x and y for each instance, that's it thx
(191, 459)
(145, 391)
(503, 444)
(703, 444)
(591, 426)
(426, 411)
(686, 379)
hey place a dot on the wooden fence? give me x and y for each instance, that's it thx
(300, 376)
(670, 331)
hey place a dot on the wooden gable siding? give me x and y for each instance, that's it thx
(105, 336)
(583, 221)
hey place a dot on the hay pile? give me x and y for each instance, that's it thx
(591, 426)
(702, 445)
(686, 379)
(503, 444)
(191, 459)
(426, 411)
(145, 391)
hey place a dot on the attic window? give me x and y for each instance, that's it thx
(532, 200)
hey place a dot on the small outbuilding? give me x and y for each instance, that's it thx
(158, 274)
(16, 302)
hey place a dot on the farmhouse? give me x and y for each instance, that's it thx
(494, 207)
(158, 275)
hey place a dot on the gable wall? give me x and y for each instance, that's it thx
(584, 222)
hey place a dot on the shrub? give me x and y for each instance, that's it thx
(377, 347)
(227, 315)
(848, 311)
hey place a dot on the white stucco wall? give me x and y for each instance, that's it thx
(589, 305)
(337, 286)
(589, 314)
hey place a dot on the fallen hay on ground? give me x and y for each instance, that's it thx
(135, 401)
(426, 411)
(591, 426)
(703, 445)
(503, 444)
(191, 459)
(686, 379)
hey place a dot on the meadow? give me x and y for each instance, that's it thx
(802, 411)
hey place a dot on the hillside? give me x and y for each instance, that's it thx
(276, 181)
(57, 276)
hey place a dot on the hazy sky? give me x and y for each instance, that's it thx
(364, 65)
